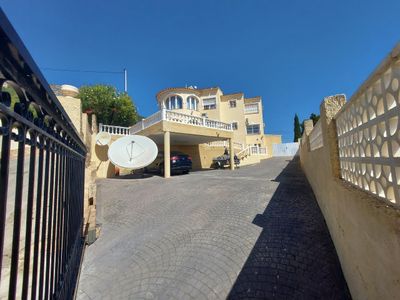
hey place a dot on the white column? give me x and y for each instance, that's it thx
(232, 154)
(167, 155)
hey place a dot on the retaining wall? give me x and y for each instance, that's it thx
(364, 220)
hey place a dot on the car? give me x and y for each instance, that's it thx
(180, 163)
(224, 160)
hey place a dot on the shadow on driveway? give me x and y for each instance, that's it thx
(294, 256)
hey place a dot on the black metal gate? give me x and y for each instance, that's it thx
(42, 164)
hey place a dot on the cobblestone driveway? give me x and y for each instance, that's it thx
(253, 233)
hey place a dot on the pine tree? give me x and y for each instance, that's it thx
(297, 128)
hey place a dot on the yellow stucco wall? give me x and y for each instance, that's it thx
(364, 229)
(223, 111)
(255, 118)
(230, 115)
(73, 108)
(269, 140)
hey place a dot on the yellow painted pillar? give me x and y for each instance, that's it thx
(232, 154)
(167, 154)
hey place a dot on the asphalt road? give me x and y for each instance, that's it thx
(256, 232)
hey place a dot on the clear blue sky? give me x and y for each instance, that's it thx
(292, 53)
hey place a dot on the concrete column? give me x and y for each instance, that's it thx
(167, 154)
(308, 126)
(232, 154)
(328, 109)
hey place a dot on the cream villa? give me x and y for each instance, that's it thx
(201, 123)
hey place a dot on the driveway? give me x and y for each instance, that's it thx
(256, 232)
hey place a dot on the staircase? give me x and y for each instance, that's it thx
(252, 155)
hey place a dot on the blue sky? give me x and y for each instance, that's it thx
(292, 53)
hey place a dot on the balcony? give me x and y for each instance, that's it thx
(167, 116)
(175, 117)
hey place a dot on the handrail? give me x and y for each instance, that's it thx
(244, 152)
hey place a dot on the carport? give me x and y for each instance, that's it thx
(185, 130)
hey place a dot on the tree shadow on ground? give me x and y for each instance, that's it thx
(294, 256)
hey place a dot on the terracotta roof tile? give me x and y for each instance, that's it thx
(236, 96)
(252, 100)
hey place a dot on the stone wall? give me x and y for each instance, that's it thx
(364, 227)
(87, 132)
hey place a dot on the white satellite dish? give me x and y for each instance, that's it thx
(133, 152)
(103, 138)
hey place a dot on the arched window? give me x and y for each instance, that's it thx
(173, 102)
(192, 103)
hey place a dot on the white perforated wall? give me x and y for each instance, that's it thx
(369, 136)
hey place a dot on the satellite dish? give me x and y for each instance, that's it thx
(103, 138)
(133, 152)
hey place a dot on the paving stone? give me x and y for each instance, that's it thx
(253, 233)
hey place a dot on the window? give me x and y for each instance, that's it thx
(251, 108)
(173, 102)
(235, 125)
(253, 129)
(192, 103)
(209, 103)
(232, 103)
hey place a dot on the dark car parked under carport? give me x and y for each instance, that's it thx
(180, 163)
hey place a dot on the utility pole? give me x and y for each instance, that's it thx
(125, 81)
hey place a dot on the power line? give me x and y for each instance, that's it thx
(83, 71)
(124, 71)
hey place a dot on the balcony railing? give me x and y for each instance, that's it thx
(172, 116)
(236, 145)
(115, 130)
(252, 150)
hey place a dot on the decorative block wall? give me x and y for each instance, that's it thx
(316, 140)
(369, 135)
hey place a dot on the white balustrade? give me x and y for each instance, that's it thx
(170, 116)
(236, 145)
(262, 151)
(368, 134)
(315, 136)
(115, 130)
(176, 117)
(252, 150)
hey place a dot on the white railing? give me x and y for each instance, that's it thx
(368, 134)
(236, 145)
(262, 151)
(252, 150)
(315, 137)
(256, 150)
(115, 130)
(173, 116)
(170, 116)
(245, 152)
(176, 117)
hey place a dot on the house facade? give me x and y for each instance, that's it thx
(201, 123)
(244, 114)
